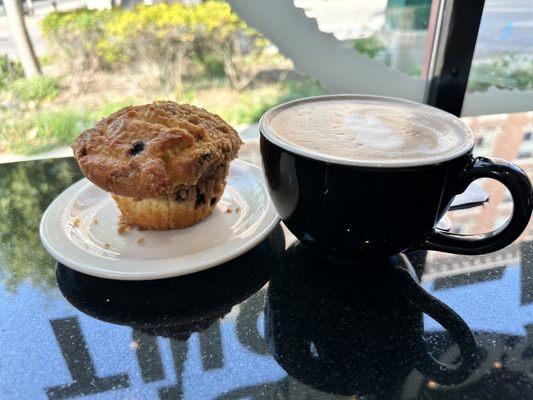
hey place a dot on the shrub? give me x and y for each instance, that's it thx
(59, 128)
(208, 63)
(39, 88)
(295, 89)
(162, 34)
(510, 71)
(79, 38)
(37, 131)
(46, 130)
(9, 71)
(248, 105)
(168, 36)
(240, 48)
(371, 46)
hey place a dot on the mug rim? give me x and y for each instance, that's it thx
(467, 147)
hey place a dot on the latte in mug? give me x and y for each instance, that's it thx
(369, 131)
(355, 177)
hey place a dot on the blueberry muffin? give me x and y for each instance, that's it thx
(165, 164)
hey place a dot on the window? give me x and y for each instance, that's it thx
(526, 148)
(524, 154)
(279, 51)
(487, 130)
(501, 75)
(350, 47)
(507, 198)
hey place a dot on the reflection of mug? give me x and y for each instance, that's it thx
(347, 209)
(357, 330)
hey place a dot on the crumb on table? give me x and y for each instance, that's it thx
(140, 240)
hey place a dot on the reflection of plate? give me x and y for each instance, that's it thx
(174, 307)
(79, 229)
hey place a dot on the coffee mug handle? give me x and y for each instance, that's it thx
(518, 184)
(451, 321)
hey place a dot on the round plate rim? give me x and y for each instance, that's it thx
(147, 275)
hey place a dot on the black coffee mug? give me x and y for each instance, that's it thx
(348, 210)
(358, 330)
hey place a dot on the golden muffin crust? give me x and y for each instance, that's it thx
(187, 206)
(151, 150)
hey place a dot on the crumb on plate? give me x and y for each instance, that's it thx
(76, 222)
(140, 240)
(107, 246)
(95, 221)
(123, 225)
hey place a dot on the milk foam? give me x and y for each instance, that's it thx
(369, 130)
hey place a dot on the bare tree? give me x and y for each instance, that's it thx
(18, 29)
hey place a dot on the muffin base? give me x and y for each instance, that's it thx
(187, 206)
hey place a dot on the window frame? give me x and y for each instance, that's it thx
(454, 27)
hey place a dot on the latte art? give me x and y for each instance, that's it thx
(366, 130)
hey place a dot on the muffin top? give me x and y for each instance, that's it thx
(150, 150)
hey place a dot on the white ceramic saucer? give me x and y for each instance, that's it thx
(79, 229)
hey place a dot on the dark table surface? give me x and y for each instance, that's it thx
(276, 323)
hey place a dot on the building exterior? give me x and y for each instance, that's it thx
(505, 136)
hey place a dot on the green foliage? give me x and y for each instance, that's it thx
(240, 48)
(510, 71)
(407, 15)
(162, 34)
(9, 71)
(42, 130)
(251, 105)
(58, 128)
(212, 65)
(109, 108)
(39, 88)
(296, 89)
(248, 108)
(46, 60)
(170, 36)
(27, 190)
(80, 38)
(371, 46)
